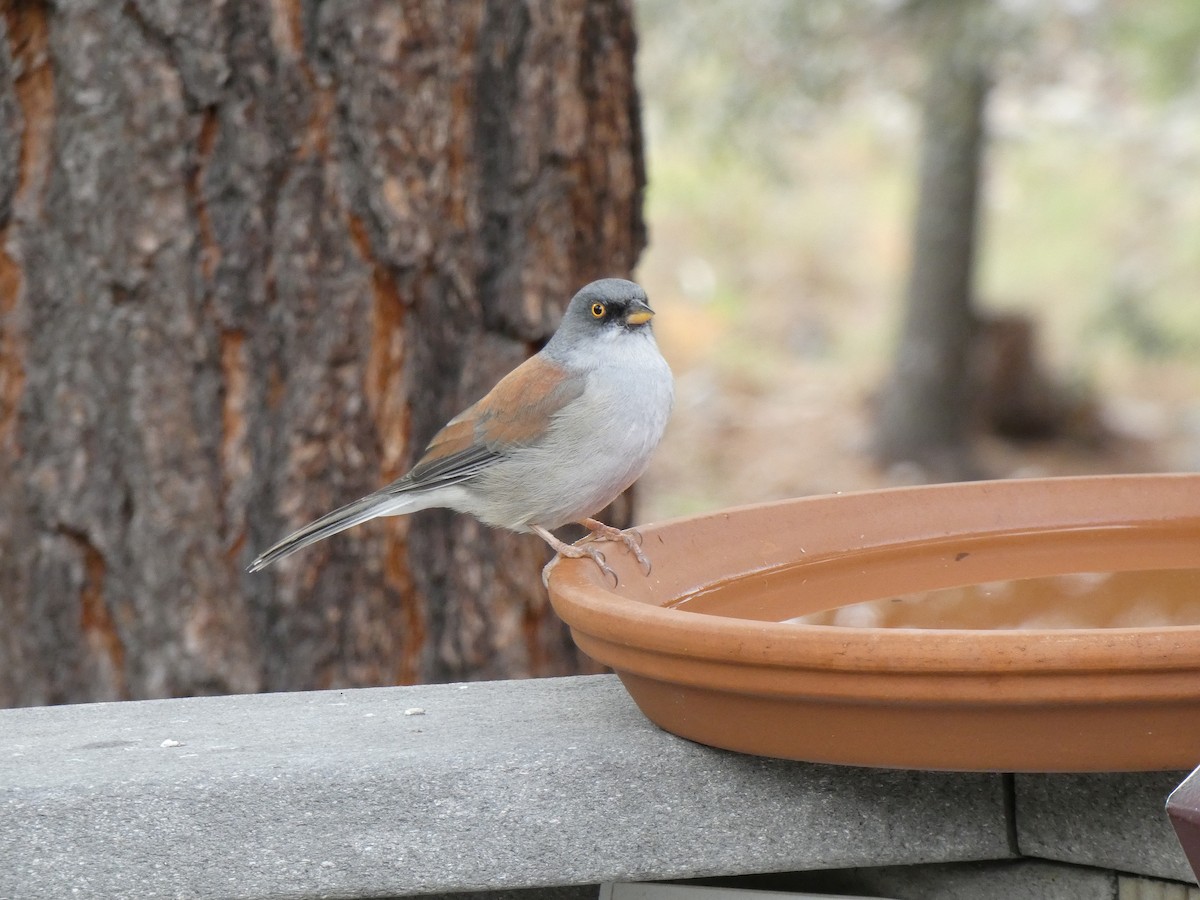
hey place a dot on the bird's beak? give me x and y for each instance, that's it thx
(639, 314)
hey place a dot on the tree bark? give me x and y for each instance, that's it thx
(924, 411)
(252, 256)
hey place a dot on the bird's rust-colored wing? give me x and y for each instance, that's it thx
(515, 413)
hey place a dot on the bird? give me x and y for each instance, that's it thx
(554, 442)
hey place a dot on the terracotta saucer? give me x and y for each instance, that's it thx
(725, 669)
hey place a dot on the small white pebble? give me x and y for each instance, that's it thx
(170, 743)
(368, 715)
(414, 711)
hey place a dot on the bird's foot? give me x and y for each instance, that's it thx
(578, 553)
(631, 538)
(573, 552)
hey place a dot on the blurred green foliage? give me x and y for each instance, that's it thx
(1159, 40)
(782, 159)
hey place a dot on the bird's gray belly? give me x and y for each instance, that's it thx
(587, 460)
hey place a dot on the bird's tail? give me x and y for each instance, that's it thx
(368, 507)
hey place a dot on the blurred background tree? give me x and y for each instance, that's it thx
(251, 257)
(924, 407)
(781, 213)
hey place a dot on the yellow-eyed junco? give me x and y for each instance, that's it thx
(557, 440)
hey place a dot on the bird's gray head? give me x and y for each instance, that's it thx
(609, 307)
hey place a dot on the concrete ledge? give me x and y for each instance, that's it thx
(495, 786)
(1013, 879)
(498, 787)
(1111, 820)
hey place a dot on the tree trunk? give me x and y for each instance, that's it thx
(924, 411)
(252, 256)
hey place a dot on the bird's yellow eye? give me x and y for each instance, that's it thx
(598, 310)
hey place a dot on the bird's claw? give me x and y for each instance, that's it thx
(633, 543)
(631, 538)
(598, 558)
(599, 532)
(644, 562)
(578, 553)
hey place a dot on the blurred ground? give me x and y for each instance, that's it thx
(807, 432)
(777, 259)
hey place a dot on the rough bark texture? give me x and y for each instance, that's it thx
(924, 412)
(252, 255)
